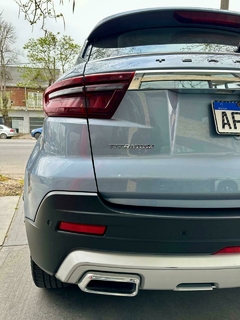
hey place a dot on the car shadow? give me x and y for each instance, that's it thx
(71, 303)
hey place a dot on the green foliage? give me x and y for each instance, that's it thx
(35, 78)
(50, 53)
(3, 178)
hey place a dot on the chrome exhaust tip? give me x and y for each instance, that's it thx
(113, 284)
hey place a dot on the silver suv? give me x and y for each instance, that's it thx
(134, 183)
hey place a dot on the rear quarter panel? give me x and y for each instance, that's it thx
(61, 160)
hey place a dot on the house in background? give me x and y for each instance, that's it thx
(25, 101)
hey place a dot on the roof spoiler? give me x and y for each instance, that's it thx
(166, 17)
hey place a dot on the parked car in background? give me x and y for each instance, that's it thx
(7, 132)
(35, 133)
(135, 183)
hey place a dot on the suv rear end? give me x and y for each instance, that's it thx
(134, 183)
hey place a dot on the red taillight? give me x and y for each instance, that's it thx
(228, 250)
(94, 96)
(211, 18)
(11, 130)
(82, 228)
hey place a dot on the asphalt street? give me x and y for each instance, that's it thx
(20, 299)
(14, 154)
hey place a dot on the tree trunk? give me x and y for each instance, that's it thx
(224, 4)
(4, 110)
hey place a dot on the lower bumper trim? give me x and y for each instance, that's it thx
(157, 272)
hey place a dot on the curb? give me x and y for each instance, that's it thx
(8, 208)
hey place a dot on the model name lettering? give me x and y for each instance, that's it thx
(131, 146)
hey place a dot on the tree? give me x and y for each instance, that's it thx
(47, 55)
(40, 10)
(8, 55)
(224, 4)
(35, 78)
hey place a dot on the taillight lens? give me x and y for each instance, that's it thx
(229, 250)
(82, 228)
(94, 96)
(11, 130)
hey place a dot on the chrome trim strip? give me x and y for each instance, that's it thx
(149, 76)
(105, 87)
(196, 287)
(185, 71)
(67, 193)
(65, 92)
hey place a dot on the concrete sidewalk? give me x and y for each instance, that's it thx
(8, 206)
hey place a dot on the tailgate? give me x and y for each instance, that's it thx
(168, 144)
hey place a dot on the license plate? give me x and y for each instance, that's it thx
(227, 117)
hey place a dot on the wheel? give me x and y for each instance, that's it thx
(44, 280)
(3, 136)
(227, 186)
(37, 135)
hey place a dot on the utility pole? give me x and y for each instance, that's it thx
(224, 4)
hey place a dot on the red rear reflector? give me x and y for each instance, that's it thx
(93, 96)
(211, 18)
(228, 250)
(82, 228)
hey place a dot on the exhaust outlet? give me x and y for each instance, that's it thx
(113, 284)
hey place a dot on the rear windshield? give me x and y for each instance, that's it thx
(162, 40)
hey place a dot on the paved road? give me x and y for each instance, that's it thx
(14, 155)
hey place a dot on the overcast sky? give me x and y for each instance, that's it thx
(89, 12)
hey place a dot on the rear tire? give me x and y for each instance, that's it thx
(44, 280)
(37, 135)
(3, 136)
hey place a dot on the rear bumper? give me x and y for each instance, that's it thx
(12, 134)
(157, 272)
(131, 232)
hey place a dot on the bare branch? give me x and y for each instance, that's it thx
(35, 11)
(8, 55)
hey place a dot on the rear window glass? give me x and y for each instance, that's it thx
(162, 40)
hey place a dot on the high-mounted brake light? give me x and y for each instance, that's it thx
(82, 228)
(93, 96)
(229, 250)
(210, 18)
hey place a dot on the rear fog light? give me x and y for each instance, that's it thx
(228, 250)
(82, 228)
